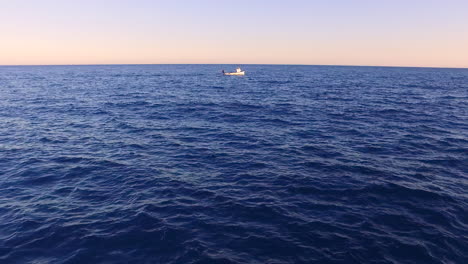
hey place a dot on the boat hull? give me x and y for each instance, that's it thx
(234, 73)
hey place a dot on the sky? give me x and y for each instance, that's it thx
(425, 33)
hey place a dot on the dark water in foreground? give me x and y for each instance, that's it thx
(177, 164)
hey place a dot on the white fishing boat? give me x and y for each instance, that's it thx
(237, 72)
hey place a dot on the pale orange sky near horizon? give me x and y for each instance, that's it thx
(392, 33)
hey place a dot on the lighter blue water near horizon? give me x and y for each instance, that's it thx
(179, 164)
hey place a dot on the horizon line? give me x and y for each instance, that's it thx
(278, 64)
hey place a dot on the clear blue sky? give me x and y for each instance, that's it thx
(348, 32)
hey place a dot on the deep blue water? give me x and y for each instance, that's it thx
(178, 164)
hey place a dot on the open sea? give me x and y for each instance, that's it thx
(179, 164)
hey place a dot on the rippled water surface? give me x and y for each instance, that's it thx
(178, 164)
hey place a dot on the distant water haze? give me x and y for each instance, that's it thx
(338, 32)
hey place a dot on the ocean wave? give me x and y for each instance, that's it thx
(170, 164)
